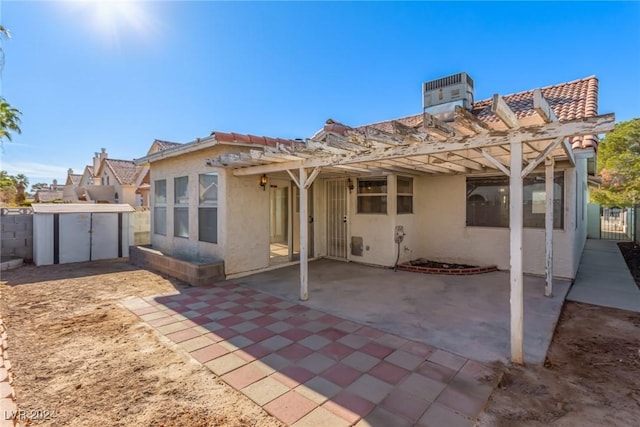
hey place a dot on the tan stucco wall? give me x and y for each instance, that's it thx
(190, 165)
(247, 211)
(243, 214)
(444, 236)
(378, 230)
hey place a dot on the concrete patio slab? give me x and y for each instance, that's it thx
(604, 279)
(466, 315)
(315, 379)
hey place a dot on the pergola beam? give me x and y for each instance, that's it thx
(437, 126)
(468, 121)
(569, 151)
(419, 164)
(515, 254)
(462, 161)
(444, 163)
(500, 108)
(542, 107)
(495, 162)
(542, 156)
(294, 178)
(273, 167)
(402, 129)
(304, 232)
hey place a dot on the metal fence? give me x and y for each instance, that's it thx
(636, 228)
(618, 223)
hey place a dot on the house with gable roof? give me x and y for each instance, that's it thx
(73, 178)
(120, 174)
(501, 181)
(142, 180)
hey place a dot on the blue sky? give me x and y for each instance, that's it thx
(94, 74)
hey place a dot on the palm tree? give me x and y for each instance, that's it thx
(9, 116)
(9, 120)
(21, 183)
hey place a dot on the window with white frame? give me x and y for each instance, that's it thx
(208, 207)
(372, 195)
(488, 201)
(160, 207)
(404, 195)
(181, 206)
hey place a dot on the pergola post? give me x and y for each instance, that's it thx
(515, 258)
(548, 224)
(304, 230)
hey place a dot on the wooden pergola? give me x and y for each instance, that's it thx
(466, 145)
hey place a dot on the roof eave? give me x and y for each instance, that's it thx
(189, 147)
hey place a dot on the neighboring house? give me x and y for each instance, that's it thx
(120, 174)
(73, 179)
(107, 181)
(143, 178)
(87, 177)
(52, 193)
(437, 181)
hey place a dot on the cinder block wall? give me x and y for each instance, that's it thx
(17, 236)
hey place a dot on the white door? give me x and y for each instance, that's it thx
(104, 236)
(75, 238)
(337, 218)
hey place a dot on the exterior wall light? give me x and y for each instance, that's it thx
(263, 182)
(350, 184)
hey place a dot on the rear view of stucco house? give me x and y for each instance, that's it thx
(435, 185)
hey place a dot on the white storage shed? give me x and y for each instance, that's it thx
(76, 232)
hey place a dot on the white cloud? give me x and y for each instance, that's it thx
(37, 172)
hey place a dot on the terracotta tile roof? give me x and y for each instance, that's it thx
(571, 100)
(250, 139)
(124, 170)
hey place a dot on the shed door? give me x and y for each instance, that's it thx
(74, 238)
(337, 219)
(104, 238)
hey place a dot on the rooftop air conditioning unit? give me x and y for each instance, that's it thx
(442, 95)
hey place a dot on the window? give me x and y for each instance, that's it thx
(372, 195)
(160, 207)
(488, 201)
(181, 206)
(208, 208)
(405, 195)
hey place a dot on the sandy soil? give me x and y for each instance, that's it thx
(591, 376)
(76, 352)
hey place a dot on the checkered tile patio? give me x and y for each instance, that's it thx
(309, 368)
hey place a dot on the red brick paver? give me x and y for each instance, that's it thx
(309, 368)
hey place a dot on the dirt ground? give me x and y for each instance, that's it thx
(591, 376)
(631, 253)
(79, 354)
